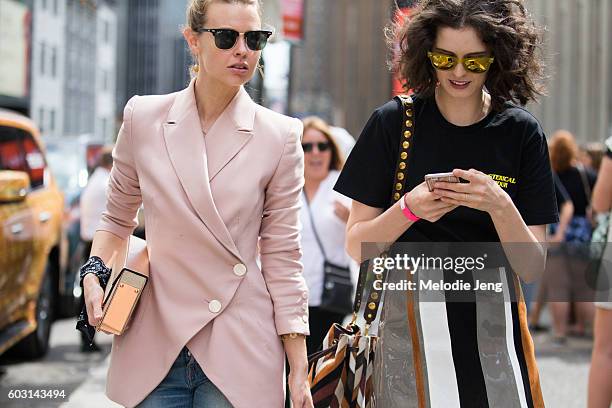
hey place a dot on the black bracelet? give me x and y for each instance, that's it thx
(96, 266)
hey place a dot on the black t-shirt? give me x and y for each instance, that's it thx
(508, 145)
(577, 187)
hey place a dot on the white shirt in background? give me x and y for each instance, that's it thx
(93, 202)
(331, 231)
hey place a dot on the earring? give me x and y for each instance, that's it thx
(195, 68)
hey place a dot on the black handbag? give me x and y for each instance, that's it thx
(337, 294)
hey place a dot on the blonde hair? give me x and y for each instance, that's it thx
(197, 9)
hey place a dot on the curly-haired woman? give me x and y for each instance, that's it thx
(472, 64)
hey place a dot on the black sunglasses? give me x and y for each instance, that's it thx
(322, 146)
(225, 38)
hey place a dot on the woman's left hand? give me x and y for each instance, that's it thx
(299, 388)
(481, 192)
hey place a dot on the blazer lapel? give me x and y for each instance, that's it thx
(185, 144)
(230, 132)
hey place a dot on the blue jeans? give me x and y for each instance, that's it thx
(185, 386)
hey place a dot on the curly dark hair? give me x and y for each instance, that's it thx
(503, 25)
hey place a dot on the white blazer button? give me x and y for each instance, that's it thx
(305, 318)
(214, 306)
(240, 269)
(304, 295)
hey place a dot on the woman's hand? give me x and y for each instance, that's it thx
(93, 295)
(480, 193)
(425, 204)
(341, 211)
(299, 388)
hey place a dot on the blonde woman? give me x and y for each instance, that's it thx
(215, 172)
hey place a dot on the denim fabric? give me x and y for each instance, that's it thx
(185, 386)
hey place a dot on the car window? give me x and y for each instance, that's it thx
(35, 161)
(18, 151)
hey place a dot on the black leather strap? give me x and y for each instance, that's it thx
(371, 310)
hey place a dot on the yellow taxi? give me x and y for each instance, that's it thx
(31, 250)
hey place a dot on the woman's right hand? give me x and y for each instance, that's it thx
(426, 204)
(93, 295)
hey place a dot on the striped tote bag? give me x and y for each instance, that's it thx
(341, 374)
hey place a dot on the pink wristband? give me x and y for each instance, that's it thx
(406, 211)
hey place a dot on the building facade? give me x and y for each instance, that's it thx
(106, 72)
(15, 54)
(48, 65)
(80, 84)
(153, 57)
(73, 68)
(578, 67)
(340, 70)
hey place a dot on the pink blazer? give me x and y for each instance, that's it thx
(206, 202)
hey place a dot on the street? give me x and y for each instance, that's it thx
(64, 368)
(563, 371)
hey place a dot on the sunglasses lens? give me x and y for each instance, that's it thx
(323, 146)
(307, 147)
(225, 39)
(256, 40)
(477, 65)
(441, 61)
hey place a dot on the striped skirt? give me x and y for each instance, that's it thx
(434, 352)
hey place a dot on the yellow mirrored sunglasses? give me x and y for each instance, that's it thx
(445, 62)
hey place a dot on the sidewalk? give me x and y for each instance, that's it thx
(90, 394)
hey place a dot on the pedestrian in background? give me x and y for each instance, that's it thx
(578, 181)
(600, 375)
(92, 204)
(472, 64)
(591, 155)
(552, 274)
(323, 217)
(215, 172)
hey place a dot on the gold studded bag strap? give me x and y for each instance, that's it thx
(404, 146)
(371, 310)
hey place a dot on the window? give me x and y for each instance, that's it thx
(44, 4)
(41, 118)
(52, 121)
(55, 8)
(42, 58)
(106, 32)
(53, 62)
(18, 151)
(35, 161)
(11, 155)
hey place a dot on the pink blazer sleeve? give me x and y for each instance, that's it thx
(123, 197)
(280, 239)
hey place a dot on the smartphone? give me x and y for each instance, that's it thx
(430, 179)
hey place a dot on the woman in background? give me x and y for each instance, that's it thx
(323, 215)
(600, 376)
